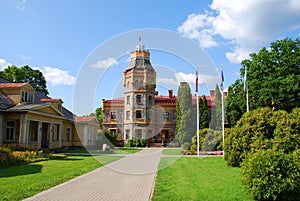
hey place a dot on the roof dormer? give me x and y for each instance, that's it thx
(57, 102)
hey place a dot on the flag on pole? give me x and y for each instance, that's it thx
(222, 81)
(197, 80)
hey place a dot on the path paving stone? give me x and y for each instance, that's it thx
(130, 178)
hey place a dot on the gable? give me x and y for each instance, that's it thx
(49, 110)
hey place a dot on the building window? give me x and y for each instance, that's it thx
(113, 115)
(127, 115)
(150, 100)
(10, 131)
(59, 107)
(68, 134)
(127, 132)
(138, 114)
(136, 84)
(138, 98)
(55, 132)
(138, 133)
(128, 84)
(128, 99)
(166, 115)
(141, 84)
(90, 135)
(27, 97)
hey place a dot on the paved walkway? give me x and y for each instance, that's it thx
(130, 178)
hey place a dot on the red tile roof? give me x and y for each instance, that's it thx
(165, 99)
(12, 85)
(115, 100)
(84, 118)
(50, 100)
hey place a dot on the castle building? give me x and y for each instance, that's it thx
(141, 113)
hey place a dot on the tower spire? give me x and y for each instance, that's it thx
(140, 47)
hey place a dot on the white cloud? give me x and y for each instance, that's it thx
(208, 80)
(56, 76)
(246, 25)
(21, 4)
(105, 63)
(167, 81)
(4, 64)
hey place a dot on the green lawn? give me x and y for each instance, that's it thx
(172, 151)
(19, 182)
(190, 178)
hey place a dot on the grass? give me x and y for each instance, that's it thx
(113, 151)
(172, 151)
(190, 178)
(23, 181)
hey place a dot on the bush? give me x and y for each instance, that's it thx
(272, 175)
(253, 132)
(136, 143)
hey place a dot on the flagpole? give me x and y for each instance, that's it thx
(223, 117)
(197, 126)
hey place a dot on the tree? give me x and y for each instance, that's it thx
(186, 130)
(235, 103)
(273, 77)
(26, 74)
(99, 115)
(203, 113)
(216, 119)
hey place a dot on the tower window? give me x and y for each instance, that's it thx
(138, 114)
(113, 115)
(128, 99)
(166, 115)
(141, 83)
(150, 100)
(138, 98)
(127, 115)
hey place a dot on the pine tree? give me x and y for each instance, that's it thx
(186, 123)
(203, 113)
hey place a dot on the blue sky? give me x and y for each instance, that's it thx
(59, 37)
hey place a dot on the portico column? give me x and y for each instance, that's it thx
(26, 132)
(40, 135)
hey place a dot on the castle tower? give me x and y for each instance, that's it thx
(139, 92)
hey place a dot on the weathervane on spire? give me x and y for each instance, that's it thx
(140, 47)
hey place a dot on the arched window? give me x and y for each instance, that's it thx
(136, 84)
(141, 83)
(128, 84)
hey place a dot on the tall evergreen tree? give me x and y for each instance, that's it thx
(203, 113)
(216, 119)
(186, 130)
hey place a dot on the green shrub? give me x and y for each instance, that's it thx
(272, 175)
(253, 132)
(136, 143)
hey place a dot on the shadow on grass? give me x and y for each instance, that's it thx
(20, 170)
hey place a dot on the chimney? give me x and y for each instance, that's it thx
(212, 92)
(170, 93)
